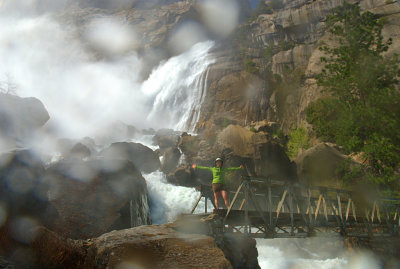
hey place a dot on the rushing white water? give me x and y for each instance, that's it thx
(168, 201)
(273, 256)
(179, 86)
(45, 59)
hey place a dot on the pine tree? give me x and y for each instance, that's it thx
(362, 110)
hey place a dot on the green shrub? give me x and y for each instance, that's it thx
(286, 45)
(298, 139)
(250, 66)
(268, 53)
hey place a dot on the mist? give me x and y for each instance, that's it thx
(85, 94)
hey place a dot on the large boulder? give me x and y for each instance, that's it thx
(19, 118)
(166, 138)
(158, 246)
(81, 148)
(144, 158)
(263, 157)
(182, 176)
(240, 250)
(96, 196)
(319, 165)
(170, 160)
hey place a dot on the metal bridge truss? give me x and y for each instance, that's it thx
(296, 210)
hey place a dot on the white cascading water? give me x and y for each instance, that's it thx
(178, 87)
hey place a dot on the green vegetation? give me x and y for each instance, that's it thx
(298, 140)
(286, 45)
(279, 134)
(250, 66)
(362, 111)
(269, 52)
(225, 123)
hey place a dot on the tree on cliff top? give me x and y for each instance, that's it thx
(362, 112)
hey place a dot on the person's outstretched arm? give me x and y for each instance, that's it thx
(235, 168)
(194, 166)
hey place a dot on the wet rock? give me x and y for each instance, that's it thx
(240, 250)
(170, 160)
(387, 249)
(166, 138)
(80, 151)
(81, 148)
(265, 126)
(318, 165)
(19, 119)
(144, 158)
(263, 157)
(157, 246)
(190, 146)
(149, 131)
(96, 196)
(182, 176)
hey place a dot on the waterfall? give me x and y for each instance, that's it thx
(85, 96)
(178, 87)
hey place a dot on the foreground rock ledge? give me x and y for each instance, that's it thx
(157, 246)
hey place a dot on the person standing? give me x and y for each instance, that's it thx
(218, 182)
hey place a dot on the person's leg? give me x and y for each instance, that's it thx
(225, 196)
(216, 199)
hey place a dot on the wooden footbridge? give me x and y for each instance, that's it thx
(285, 210)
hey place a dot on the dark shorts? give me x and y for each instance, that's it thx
(217, 187)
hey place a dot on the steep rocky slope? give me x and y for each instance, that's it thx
(278, 45)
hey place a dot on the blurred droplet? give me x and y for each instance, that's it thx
(112, 37)
(22, 229)
(21, 181)
(364, 261)
(186, 36)
(82, 172)
(220, 16)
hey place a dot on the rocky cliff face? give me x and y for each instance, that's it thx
(161, 28)
(280, 45)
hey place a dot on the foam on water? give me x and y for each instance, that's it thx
(168, 201)
(272, 257)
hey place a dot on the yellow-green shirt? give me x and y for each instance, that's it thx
(218, 173)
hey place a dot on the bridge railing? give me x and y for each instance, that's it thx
(294, 209)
